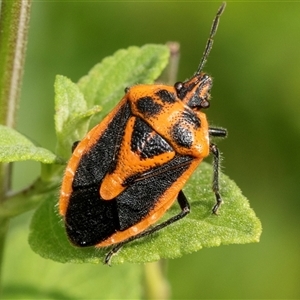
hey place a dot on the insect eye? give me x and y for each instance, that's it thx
(126, 90)
(178, 86)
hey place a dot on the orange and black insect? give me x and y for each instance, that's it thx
(128, 170)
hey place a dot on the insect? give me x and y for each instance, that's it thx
(129, 169)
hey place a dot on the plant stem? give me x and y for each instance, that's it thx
(14, 19)
(156, 285)
(169, 75)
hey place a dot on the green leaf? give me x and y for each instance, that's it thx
(235, 224)
(16, 147)
(71, 115)
(105, 83)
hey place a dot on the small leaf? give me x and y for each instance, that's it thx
(236, 224)
(105, 83)
(16, 147)
(71, 114)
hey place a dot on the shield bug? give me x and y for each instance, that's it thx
(129, 169)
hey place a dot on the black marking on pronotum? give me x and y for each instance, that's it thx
(190, 117)
(166, 96)
(148, 107)
(181, 135)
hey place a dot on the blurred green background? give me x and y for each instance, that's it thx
(255, 63)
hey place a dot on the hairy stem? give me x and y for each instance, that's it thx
(14, 19)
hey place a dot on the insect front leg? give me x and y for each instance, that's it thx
(185, 209)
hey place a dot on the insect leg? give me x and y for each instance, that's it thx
(216, 177)
(217, 132)
(185, 209)
(75, 145)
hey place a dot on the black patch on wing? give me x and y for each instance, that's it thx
(89, 219)
(148, 107)
(101, 157)
(138, 199)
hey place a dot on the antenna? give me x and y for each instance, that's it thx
(210, 40)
